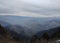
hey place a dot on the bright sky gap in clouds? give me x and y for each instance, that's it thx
(30, 8)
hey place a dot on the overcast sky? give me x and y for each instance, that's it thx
(31, 8)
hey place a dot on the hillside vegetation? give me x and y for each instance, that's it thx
(12, 37)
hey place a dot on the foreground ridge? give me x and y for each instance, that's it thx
(6, 37)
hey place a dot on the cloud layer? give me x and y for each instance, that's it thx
(32, 8)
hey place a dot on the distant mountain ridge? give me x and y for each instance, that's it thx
(27, 25)
(51, 32)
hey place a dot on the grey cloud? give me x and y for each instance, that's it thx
(45, 11)
(6, 10)
(16, 6)
(9, 6)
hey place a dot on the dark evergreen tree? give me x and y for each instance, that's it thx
(2, 30)
(45, 36)
(57, 33)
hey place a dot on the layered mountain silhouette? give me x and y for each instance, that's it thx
(7, 36)
(21, 28)
(51, 32)
(28, 25)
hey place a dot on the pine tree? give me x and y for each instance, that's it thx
(2, 30)
(45, 36)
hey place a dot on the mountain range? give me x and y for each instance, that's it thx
(28, 26)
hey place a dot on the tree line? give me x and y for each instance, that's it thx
(34, 39)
